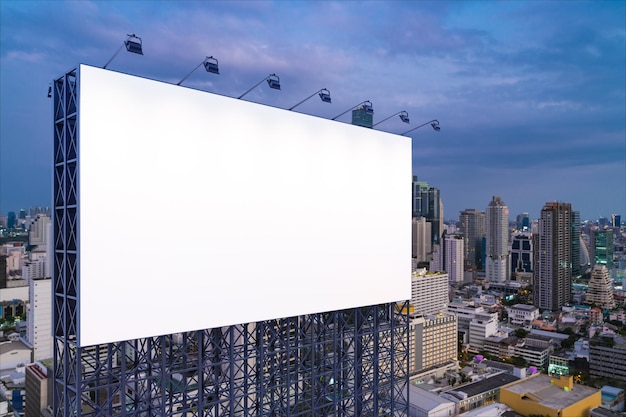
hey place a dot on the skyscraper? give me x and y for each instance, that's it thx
(497, 256)
(473, 229)
(602, 248)
(600, 291)
(552, 275)
(427, 203)
(362, 117)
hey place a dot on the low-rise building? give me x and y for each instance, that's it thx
(522, 314)
(479, 394)
(542, 395)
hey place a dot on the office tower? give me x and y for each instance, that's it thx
(576, 245)
(497, 255)
(453, 257)
(602, 248)
(600, 290)
(429, 292)
(3, 271)
(473, 229)
(616, 220)
(421, 240)
(523, 222)
(38, 389)
(11, 220)
(434, 342)
(522, 253)
(427, 203)
(552, 275)
(340, 362)
(361, 116)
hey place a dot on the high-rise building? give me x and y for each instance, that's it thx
(429, 292)
(473, 229)
(522, 253)
(421, 247)
(602, 247)
(600, 290)
(552, 275)
(433, 342)
(497, 256)
(523, 222)
(427, 204)
(576, 246)
(616, 220)
(362, 116)
(453, 261)
(38, 388)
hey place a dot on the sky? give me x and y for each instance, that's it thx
(530, 95)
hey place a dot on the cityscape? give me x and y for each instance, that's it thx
(184, 246)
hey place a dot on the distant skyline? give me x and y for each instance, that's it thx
(530, 95)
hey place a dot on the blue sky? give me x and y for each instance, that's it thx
(530, 95)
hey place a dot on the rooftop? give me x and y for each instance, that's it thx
(485, 385)
(539, 388)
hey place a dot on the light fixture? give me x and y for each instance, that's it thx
(433, 123)
(50, 91)
(272, 80)
(324, 96)
(366, 105)
(404, 116)
(133, 44)
(210, 65)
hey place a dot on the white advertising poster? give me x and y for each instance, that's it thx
(199, 211)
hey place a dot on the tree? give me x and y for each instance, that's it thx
(518, 361)
(521, 332)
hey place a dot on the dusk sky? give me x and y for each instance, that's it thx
(530, 95)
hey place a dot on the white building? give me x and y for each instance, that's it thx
(521, 314)
(453, 258)
(421, 234)
(433, 342)
(429, 292)
(424, 403)
(38, 275)
(497, 252)
(481, 327)
(600, 290)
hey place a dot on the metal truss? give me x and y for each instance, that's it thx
(351, 362)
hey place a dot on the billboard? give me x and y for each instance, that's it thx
(199, 211)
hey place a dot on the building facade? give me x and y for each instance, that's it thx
(429, 292)
(552, 275)
(602, 247)
(433, 342)
(600, 289)
(497, 256)
(427, 204)
(473, 230)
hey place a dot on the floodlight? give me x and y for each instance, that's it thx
(324, 96)
(433, 123)
(365, 105)
(210, 65)
(404, 116)
(133, 44)
(272, 80)
(49, 91)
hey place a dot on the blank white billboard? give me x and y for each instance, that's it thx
(199, 211)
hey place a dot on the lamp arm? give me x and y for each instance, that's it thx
(349, 109)
(253, 87)
(293, 107)
(114, 55)
(377, 123)
(192, 71)
(422, 125)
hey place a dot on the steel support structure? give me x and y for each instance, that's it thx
(350, 362)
